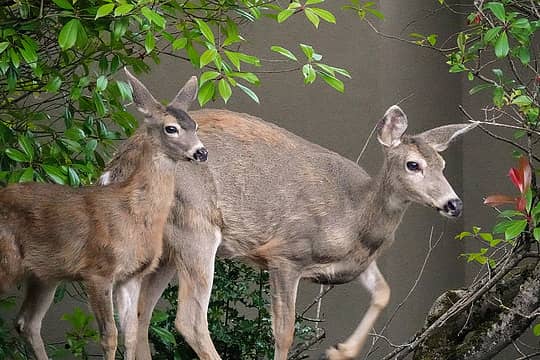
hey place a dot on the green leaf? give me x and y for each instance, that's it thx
(64, 4)
(16, 155)
(207, 57)
(164, 335)
(479, 88)
(55, 173)
(463, 234)
(522, 23)
(314, 19)
(206, 92)
(68, 34)
(249, 93)
(101, 83)
(153, 17)
(73, 177)
(501, 46)
(104, 10)
(206, 31)
(528, 200)
(522, 100)
(123, 9)
(224, 90)
(536, 330)
(432, 39)
(501, 227)
(333, 82)
(524, 55)
(75, 133)
(27, 175)
(510, 213)
(492, 33)
(284, 52)
(26, 145)
(313, 2)
(207, 76)
(309, 74)
(284, 15)
(308, 51)
(149, 42)
(536, 234)
(3, 46)
(99, 104)
(514, 229)
(324, 14)
(497, 9)
(498, 96)
(233, 58)
(249, 77)
(179, 43)
(376, 13)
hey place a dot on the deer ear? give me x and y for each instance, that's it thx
(142, 98)
(186, 95)
(440, 137)
(392, 126)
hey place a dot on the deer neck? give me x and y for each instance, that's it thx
(151, 185)
(384, 207)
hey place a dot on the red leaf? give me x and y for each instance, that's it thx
(525, 170)
(496, 200)
(520, 204)
(515, 176)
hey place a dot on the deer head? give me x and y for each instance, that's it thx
(171, 125)
(413, 164)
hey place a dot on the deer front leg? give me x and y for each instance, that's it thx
(284, 286)
(100, 298)
(195, 264)
(152, 287)
(37, 300)
(374, 282)
(127, 298)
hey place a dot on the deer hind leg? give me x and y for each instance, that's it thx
(195, 264)
(284, 286)
(152, 287)
(375, 283)
(127, 298)
(37, 300)
(100, 298)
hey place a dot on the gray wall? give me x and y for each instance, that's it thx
(384, 72)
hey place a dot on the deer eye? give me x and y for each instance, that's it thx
(413, 166)
(171, 129)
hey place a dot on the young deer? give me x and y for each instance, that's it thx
(100, 235)
(295, 209)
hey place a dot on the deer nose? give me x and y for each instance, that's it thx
(453, 207)
(201, 155)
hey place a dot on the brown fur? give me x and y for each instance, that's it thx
(100, 235)
(307, 213)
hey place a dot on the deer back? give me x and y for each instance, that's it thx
(281, 197)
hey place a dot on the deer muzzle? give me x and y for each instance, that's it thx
(201, 155)
(452, 208)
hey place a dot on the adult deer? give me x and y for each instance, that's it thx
(295, 209)
(100, 235)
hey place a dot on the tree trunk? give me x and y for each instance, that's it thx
(490, 324)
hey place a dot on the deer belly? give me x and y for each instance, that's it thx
(336, 273)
